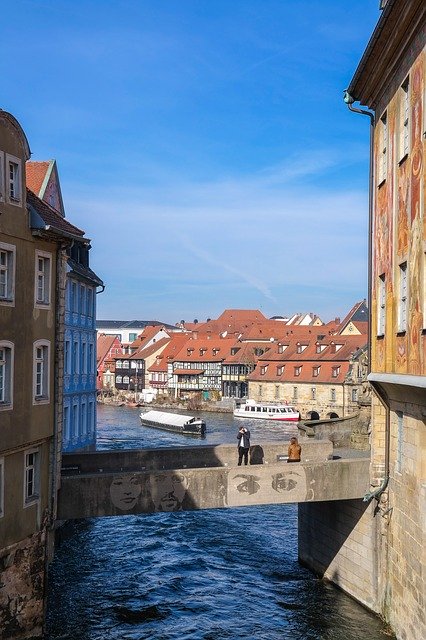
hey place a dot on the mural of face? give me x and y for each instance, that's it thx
(168, 491)
(124, 492)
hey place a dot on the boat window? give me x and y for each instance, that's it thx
(273, 410)
(281, 410)
(264, 408)
(258, 408)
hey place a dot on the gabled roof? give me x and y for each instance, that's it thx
(130, 324)
(297, 372)
(45, 218)
(300, 350)
(245, 352)
(38, 175)
(177, 340)
(145, 352)
(104, 344)
(358, 313)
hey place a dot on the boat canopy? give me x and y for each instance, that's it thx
(162, 417)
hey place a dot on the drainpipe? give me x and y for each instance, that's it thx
(349, 100)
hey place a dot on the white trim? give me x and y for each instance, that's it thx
(44, 303)
(381, 305)
(35, 467)
(44, 397)
(402, 307)
(2, 187)
(9, 300)
(404, 134)
(10, 372)
(16, 199)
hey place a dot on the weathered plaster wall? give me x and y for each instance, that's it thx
(337, 540)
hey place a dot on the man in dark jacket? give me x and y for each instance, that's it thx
(243, 437)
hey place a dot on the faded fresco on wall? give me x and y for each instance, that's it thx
(401, 198)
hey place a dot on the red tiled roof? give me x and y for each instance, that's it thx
(306, 372)
(104, 344)
(36, 174)
(145, 352)
(203, 349)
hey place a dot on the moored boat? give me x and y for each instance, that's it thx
(266, 411)
(176, 422)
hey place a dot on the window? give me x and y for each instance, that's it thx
(399, 440)
(313, 393)
(13, 180)
(90, 302)
(333, 395)
(83, 358)
(1, 487)
(277, 392)
(294, 393)
(381, 306)
(119, 379)
(67, 358)
(335, 372)
(301, 347)
(280, 370)
(7, 273)
(382, 158)
(74, 434)
(316, 371)
(402, 298)
(91, 367)
(83, 419)
(75, 368)
(260, 391)
(41, 371)
(43, 267)
(74, 297)
(404, 120)
(132, 337)
(32, 476)
(6, 374)
(354, 395)
(1, 176)
(263, 369)
(424, 290)
(66, 427)
(297, 370)
(83, 299)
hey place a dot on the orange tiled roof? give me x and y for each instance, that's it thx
(204, 349)
(145, 352)
(104, 344)
(36, 174)
(297, 372)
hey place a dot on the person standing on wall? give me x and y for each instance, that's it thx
(243, 437)
(294, 450)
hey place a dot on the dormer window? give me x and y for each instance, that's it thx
(335, 372)
(301, 347)
(282, 347)
(263, 369)
(316, 371)
(297, 370)
(280, 370)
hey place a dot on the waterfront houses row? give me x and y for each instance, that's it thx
(321, 368)
(47, 296)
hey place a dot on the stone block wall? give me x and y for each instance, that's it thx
(337, 540)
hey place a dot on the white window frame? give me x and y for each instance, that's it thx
(402, 296)
(41, 372)
(404, 120)
(381, 305)
(31, 476)
(2, 185)
(44, 276)
(7, 361)
(1, 487)
(9, 269)
(16, 184)
(382, 159)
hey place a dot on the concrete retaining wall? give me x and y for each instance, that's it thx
(187, 457)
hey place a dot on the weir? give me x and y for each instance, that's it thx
(204, 477)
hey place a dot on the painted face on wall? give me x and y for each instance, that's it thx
(168, 491)
(125, 491)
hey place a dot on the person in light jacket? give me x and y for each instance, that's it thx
(243, 437)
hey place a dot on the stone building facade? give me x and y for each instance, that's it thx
(391, 82)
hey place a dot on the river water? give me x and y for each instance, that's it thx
(195, 575)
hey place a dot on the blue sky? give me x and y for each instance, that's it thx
(203, 145)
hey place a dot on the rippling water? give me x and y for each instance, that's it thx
(207, 575)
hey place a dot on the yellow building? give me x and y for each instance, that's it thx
(33, 238)
(390, 82)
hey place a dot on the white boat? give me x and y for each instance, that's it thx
(266, 411)
(177, 422)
